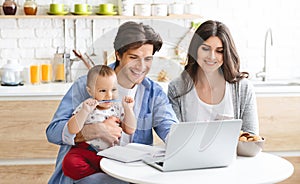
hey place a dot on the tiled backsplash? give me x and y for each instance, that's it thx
(34, 39)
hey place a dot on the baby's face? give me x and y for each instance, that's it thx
(105, 88)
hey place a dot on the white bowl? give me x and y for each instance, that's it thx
(251, 148)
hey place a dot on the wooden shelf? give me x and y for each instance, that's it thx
(70, 16)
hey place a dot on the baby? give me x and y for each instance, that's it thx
(82, 159)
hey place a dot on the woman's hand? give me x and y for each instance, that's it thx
(108, 130)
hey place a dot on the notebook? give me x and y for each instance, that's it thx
(132, 152)
(195, 145)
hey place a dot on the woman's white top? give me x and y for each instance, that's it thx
(197, 110)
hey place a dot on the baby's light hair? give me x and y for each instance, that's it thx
(98, 70)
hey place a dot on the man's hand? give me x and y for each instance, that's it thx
(108, 130)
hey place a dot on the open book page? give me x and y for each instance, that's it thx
(131, 152)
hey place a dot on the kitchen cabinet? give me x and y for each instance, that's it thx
(26, 111)
(22, 129)
(280, 122)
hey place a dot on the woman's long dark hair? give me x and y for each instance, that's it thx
(231, 65)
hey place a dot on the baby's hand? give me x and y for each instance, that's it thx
(128, 102)
(89, 105)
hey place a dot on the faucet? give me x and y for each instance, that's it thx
(263, 73)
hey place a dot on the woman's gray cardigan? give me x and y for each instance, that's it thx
(244, 102)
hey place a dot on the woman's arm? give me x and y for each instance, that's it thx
(248, 107)
(174, 100)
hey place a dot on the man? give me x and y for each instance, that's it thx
(135, 44)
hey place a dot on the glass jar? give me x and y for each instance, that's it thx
(58, 67)
(9, 7)
(30, 7)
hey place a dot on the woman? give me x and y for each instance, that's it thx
(211, 86)
(135, 44)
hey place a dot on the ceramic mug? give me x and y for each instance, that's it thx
(109, 8)
(82, 8)
(176, 9)
(126, 7)
(142, 9)
(57, 7)
(159, 9)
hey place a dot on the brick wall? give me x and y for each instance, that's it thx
(28, 40)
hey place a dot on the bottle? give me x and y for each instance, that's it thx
(9, 7)
(30, 7)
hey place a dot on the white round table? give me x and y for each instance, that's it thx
(263, 168)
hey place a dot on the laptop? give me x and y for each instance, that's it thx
(195, 145)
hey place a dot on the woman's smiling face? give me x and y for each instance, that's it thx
(210, 54)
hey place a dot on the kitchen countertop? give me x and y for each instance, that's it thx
(55, 91)
(50, 91)
(265, 90)
(277, 91)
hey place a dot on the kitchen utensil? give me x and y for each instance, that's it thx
(93, 46)
(75, 34)
(12, 74)
(89, 58)
(78, 54)
(105, 57)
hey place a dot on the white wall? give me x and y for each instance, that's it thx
(28, 40)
